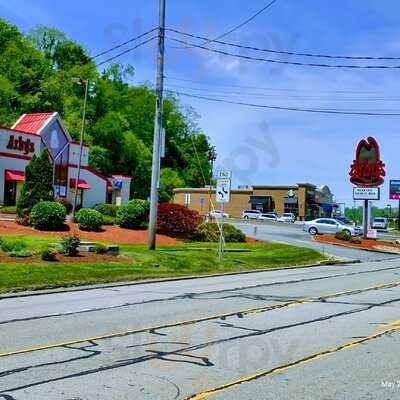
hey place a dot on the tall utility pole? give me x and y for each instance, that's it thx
(155, 173)
(86, 82)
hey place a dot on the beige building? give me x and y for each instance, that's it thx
(305, 200)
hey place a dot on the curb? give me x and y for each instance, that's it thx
(42, 292)
(358, 248)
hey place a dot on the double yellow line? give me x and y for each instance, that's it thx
(393, 327)
(197, 320)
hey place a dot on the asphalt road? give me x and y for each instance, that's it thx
(325, 333)
(294, 234)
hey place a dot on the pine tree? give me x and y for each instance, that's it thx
(38, 185)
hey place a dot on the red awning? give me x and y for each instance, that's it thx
(82, 184)
(12, 175)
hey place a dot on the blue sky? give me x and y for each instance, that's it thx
(260, 146)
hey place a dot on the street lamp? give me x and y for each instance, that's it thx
(80, 81)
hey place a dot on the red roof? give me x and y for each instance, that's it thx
(32, 123)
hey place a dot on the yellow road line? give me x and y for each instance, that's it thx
(393, 327)
(197, 320)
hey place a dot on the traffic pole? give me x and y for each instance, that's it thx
(221, 236)
(365, 219)
(155, 172)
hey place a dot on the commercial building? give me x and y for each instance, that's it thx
(33, 133)
(305, 200)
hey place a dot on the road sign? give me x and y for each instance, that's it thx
(366, 193)
(394, 190)
(223, 193)
(224, 174)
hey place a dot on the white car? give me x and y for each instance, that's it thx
(217, 214)
(270, 217)
(251, 214)
(288, 217)
(379, 223)
(330, 226)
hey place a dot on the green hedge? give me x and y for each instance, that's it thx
(48, 216)
(107, 209)
(209, 232)
(89, 219)
(133, 215)
(342, 235)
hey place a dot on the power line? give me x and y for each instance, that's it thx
(311, 110)
(251, 58)
(127, 51)
(123, 44)
(290, 53)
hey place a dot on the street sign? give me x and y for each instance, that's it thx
(366, 193)
(223, 193)
(224, 174)
(394, 192)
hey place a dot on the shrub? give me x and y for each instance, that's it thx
(70, 245)
(177, 220)
(8, 210)
(66, 203)
(8, 245)
(107, 209)
(20, 253)
(342, 235)
(89, 219)
(100, 248)
(38, 184)
(356, 240)
(24, 220)
(209, 232)
(48, 216)
(133, 215)
(107, 220)
(48, 254)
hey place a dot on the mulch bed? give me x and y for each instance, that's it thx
(365, 244)
(83, 257)
(112, 233)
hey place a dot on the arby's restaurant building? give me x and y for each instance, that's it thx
(33, 133)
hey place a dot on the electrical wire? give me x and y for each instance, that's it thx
(310, 110)
(290, 53)
(251, 58)
(123, 44)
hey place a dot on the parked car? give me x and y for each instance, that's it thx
(288, 217)
(379, 223)
(217, 214)
(343, 220)
(270, 217)
(251, 214)
(330, 226)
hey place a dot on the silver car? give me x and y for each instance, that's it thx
(330, 226)
(379, 223)
(251, 214)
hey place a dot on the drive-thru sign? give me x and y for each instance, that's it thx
(223, 193)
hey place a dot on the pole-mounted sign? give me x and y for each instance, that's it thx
(223, 195)
(367, 171)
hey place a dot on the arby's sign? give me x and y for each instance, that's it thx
(367, 170)
(25, 146)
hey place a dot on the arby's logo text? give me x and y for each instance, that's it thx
(25, 146)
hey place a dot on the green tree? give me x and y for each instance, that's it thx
(100, 159)
(169, 180)
(38, 185)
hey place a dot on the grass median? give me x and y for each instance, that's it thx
(137, 263)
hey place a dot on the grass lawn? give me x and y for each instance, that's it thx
(168, 261)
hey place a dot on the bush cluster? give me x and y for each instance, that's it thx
(100, 248)
(89, 219)
(342, 235)
(70, 245)
(107, 209)
(177, 221)
(133, 215)
(20, 253)
(209, 232)
(11, 245)
(48, 253)
(107, 220)
(48, 216)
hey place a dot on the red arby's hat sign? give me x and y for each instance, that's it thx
(367, 170)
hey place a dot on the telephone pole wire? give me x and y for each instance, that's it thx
(155, 173)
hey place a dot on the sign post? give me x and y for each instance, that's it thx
(366, 173)
(223, 195)
(394, 194)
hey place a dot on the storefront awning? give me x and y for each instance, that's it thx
(12, 175)
(259, 199)
(82, 184)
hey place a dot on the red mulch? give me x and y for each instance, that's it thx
(112, 233)
(83, 257)
(365, 244)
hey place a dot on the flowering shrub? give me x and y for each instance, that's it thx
(177, 220)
